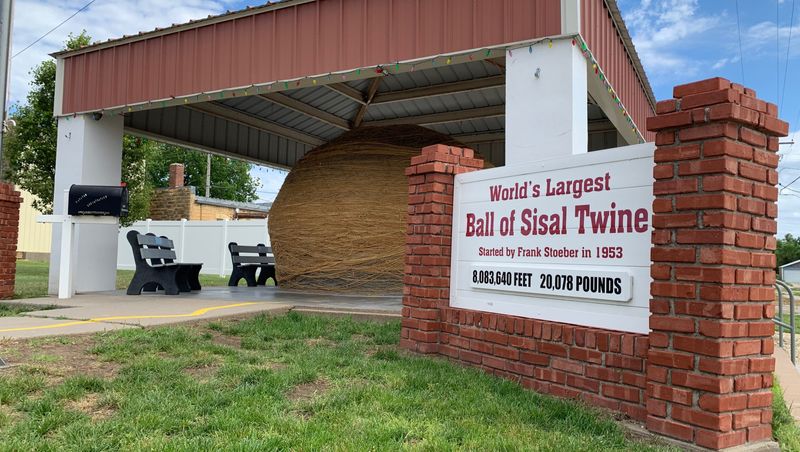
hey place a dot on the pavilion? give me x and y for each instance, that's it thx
(518, 80)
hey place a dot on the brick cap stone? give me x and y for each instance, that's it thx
(445, 159)
(717, 100)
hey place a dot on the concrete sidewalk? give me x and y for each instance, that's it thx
(115, 310)
(789, 379)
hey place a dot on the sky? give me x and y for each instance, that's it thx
(678, 41)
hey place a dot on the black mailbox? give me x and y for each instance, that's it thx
(101, 200)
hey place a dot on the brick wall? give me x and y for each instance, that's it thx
(172, 203)
(602, 367)
(710, 360)
(427, 263)
(10, 201)
(703, 375)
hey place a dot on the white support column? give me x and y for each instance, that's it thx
(89, 153)
(546, 102)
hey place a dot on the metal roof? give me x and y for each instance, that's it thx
(465, 101)
(207, 84)
(251, 206)
(630, 47)
(292, 40)
(176, 28)
(256, 127)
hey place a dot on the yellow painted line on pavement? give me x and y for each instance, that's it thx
(195, 313)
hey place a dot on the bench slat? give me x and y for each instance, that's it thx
(153, 253)
(251, 249)
(150, 240)
(253, 259)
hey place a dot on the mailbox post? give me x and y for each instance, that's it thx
(84, 204)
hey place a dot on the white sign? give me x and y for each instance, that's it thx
(566, 239)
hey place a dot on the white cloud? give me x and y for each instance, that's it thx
(658, 27)
(107, 19)
(764, 33)
(102, 20)
(271, 180)
(722, 62)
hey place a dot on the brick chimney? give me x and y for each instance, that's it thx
(176, 175)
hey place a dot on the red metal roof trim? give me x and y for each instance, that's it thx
(618, 59)
(175, 28)
(296, 40)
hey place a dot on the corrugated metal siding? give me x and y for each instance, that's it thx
(33, 237)
(296, 41)
(193, 128)
(791, 275)
(603, 39)
(494, 152)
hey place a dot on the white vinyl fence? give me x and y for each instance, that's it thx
(198, 241)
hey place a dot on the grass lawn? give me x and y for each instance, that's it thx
(7, 310)
(32, 277)
(292, 382)
(784, 428)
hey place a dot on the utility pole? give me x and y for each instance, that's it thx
(208, 175)
(6, 16)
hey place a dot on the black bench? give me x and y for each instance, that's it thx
(156, 267)
(258, 257)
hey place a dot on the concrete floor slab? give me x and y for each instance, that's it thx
(29, 327)
(112, 310)
(789, 379)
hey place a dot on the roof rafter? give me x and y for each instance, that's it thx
(440, 118)
(440, 89)
(368, 97)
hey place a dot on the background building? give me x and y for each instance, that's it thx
(34, 238)
(179, 202)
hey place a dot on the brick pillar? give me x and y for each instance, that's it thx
(176, 175)
(9, 228)
(710, 361)
(428, 239)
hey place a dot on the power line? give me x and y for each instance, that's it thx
(741, 54)
(788, 47)
(786, 186)
(53, 29)
(778, 51)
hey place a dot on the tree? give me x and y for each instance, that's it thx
(135, 154)
(788, 250)
(31, 144)
(31, 153)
